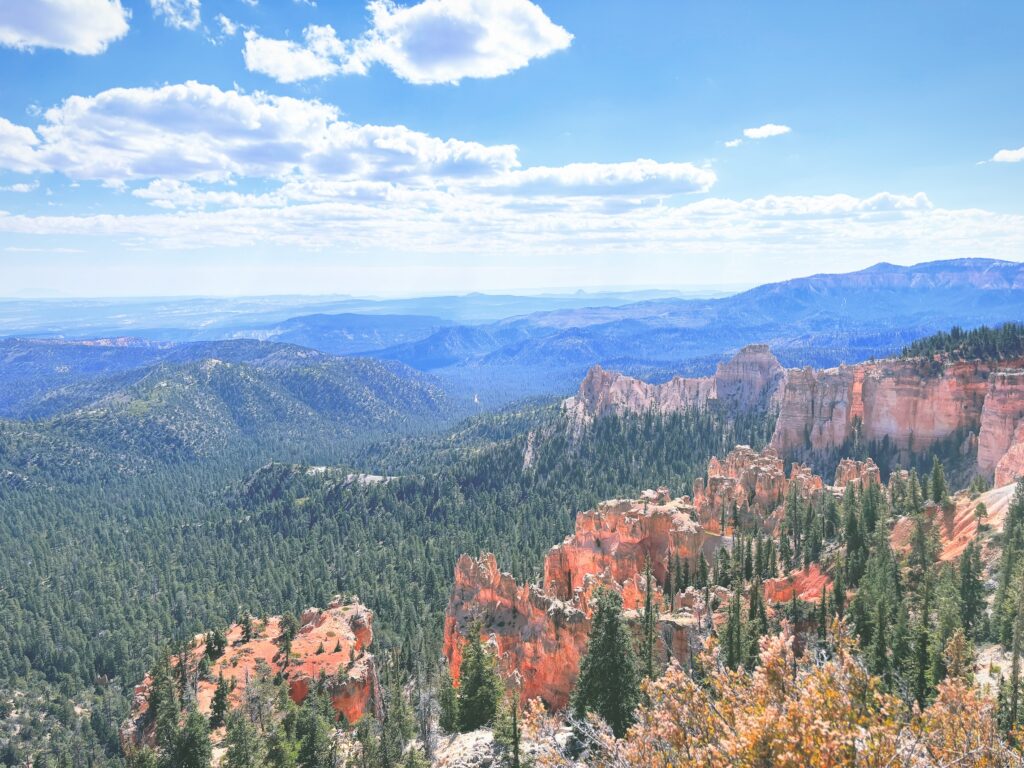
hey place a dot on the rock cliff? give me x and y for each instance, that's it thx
(751, 379)
(911, 403)
(331, 644)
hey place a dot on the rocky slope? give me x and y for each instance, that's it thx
(539, 631)
(331, 644)
(910, 403)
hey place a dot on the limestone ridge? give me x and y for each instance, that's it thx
(913, 403)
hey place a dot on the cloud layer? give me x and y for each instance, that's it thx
(435, 41)
(84, 27)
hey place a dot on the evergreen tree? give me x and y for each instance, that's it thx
(649, 624)
(732, 639)
(480, 687)
(219, 705)
(608, 682)
(938, 489)
(192, 745)
(245, 747)
(163, 704)
(448, 704)
(313, 732)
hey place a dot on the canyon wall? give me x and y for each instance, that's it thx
(914, 403)
(331, 643)
(749, 380)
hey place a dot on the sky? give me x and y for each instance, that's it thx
(238, 147)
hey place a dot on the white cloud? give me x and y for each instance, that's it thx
(638, 177)
(21, 187)
(18, 147)
(731, 143)
(289, 62)
(193, 131)
(85, 27)
(227, 26)
(435, 41)
(1009, 156)
(767, 130)
(180, 14)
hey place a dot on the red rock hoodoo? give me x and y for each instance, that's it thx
(540, 631)
(331, 644)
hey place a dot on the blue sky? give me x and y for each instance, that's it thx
(250, 146)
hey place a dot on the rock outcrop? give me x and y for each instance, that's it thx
(752, 483)
(958, 525)
(858, 472)
(751, 379)
(331, 644)
(911, 403)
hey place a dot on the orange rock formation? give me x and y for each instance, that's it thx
(913, 402)
(331, 644)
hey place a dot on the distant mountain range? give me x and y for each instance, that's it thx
(820, 320)
(502, 348)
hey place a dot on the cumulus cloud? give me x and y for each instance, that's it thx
(192, 131)
(18, 148)
(435, 41)
(180, 14)
(732, 143)
(766, 131)
(289, 62)
(84, 27)
(1009, 156)
(639, 178)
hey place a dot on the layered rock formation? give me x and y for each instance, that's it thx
(749, 380)
(752, 483)
(858, 472)
(914, 403)
(331, 645)
(539, 632)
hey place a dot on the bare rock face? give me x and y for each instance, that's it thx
(807, 584)
(753, 483)
(540, 632)
(618, 537)
(1002, 419)
(752, 378)
(914, 403)
(1011, 466)
(331, 643)
(858, 472)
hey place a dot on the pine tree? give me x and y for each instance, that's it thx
(879, 645)
(649, 624)
(245, 747)
(732, 639)
(313, 731)
(608, 682)
(163, 704)
(448, 704)
(192, 745)
(480, 687)
(938, 483)
(219, 705)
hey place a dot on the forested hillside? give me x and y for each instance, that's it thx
(102, 576)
